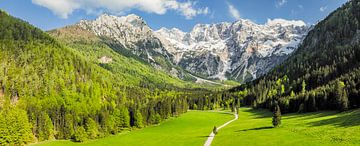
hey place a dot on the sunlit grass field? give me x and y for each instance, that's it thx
(191, 128)
(254, 127)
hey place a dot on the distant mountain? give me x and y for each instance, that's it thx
(240, 51)
(126, 66)
(131, 36)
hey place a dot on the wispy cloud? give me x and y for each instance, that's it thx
(301, 6)
(280, 3)
(64, 8)
(323, 8)
(234, 12)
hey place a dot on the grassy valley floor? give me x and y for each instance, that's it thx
(191, 128)
(254, 127)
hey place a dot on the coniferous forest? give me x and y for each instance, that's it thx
(323, 74)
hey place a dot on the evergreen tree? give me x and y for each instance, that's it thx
(92, 129)
(276, 121)
(138, 119)
(341, 96)
(14, 127)
(80, 134)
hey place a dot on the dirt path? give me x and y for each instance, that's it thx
(212, 135)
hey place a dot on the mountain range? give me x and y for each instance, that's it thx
(240, 51)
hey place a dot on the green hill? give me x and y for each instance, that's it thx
(322, 74)
(48, 90)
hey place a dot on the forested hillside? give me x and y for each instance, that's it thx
(324, 73)
(52, 91)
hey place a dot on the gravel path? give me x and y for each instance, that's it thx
(212, 135)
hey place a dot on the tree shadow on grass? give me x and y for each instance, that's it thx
(305, 116)
(203, 136)
(347, 119)
(258, 128)
(225, 113)
(259, 113)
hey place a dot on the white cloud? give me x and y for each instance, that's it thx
(64, 8)
(234, 12)
(280, 3)
(186, 8)
(323, 8)
(301, 6)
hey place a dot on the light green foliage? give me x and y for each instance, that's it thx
(341, 96)
(46, 128)
(138, 119)
(92, 129)
(14, 127)
(80, 134)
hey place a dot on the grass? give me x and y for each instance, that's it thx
(191, 128)
(254, 127)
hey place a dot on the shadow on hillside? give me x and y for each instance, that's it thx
(258, 128)
(347, 119)
(305, 116)
(259, 113)
(226, 113)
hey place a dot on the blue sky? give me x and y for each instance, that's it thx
(182, 14)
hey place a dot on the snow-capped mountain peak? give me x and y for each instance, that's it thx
(242, 50)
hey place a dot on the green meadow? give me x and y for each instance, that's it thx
(254, 127)
(191, 128)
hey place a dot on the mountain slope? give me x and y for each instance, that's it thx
(48, 90)
(131, 36)
(128, 69)
(322, 74)
(239, 51)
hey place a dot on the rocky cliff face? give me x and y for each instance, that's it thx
(240, 51)
(130, 34)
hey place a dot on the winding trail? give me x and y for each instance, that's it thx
(212, 135)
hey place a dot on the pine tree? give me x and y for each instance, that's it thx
(138, 121)
(80, 134)
(303, 87)
(277, 116)
(341, 96)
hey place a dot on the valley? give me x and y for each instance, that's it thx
(190, 128)
(115, 75)
(252, 128)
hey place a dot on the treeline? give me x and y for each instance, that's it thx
(322, 74)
